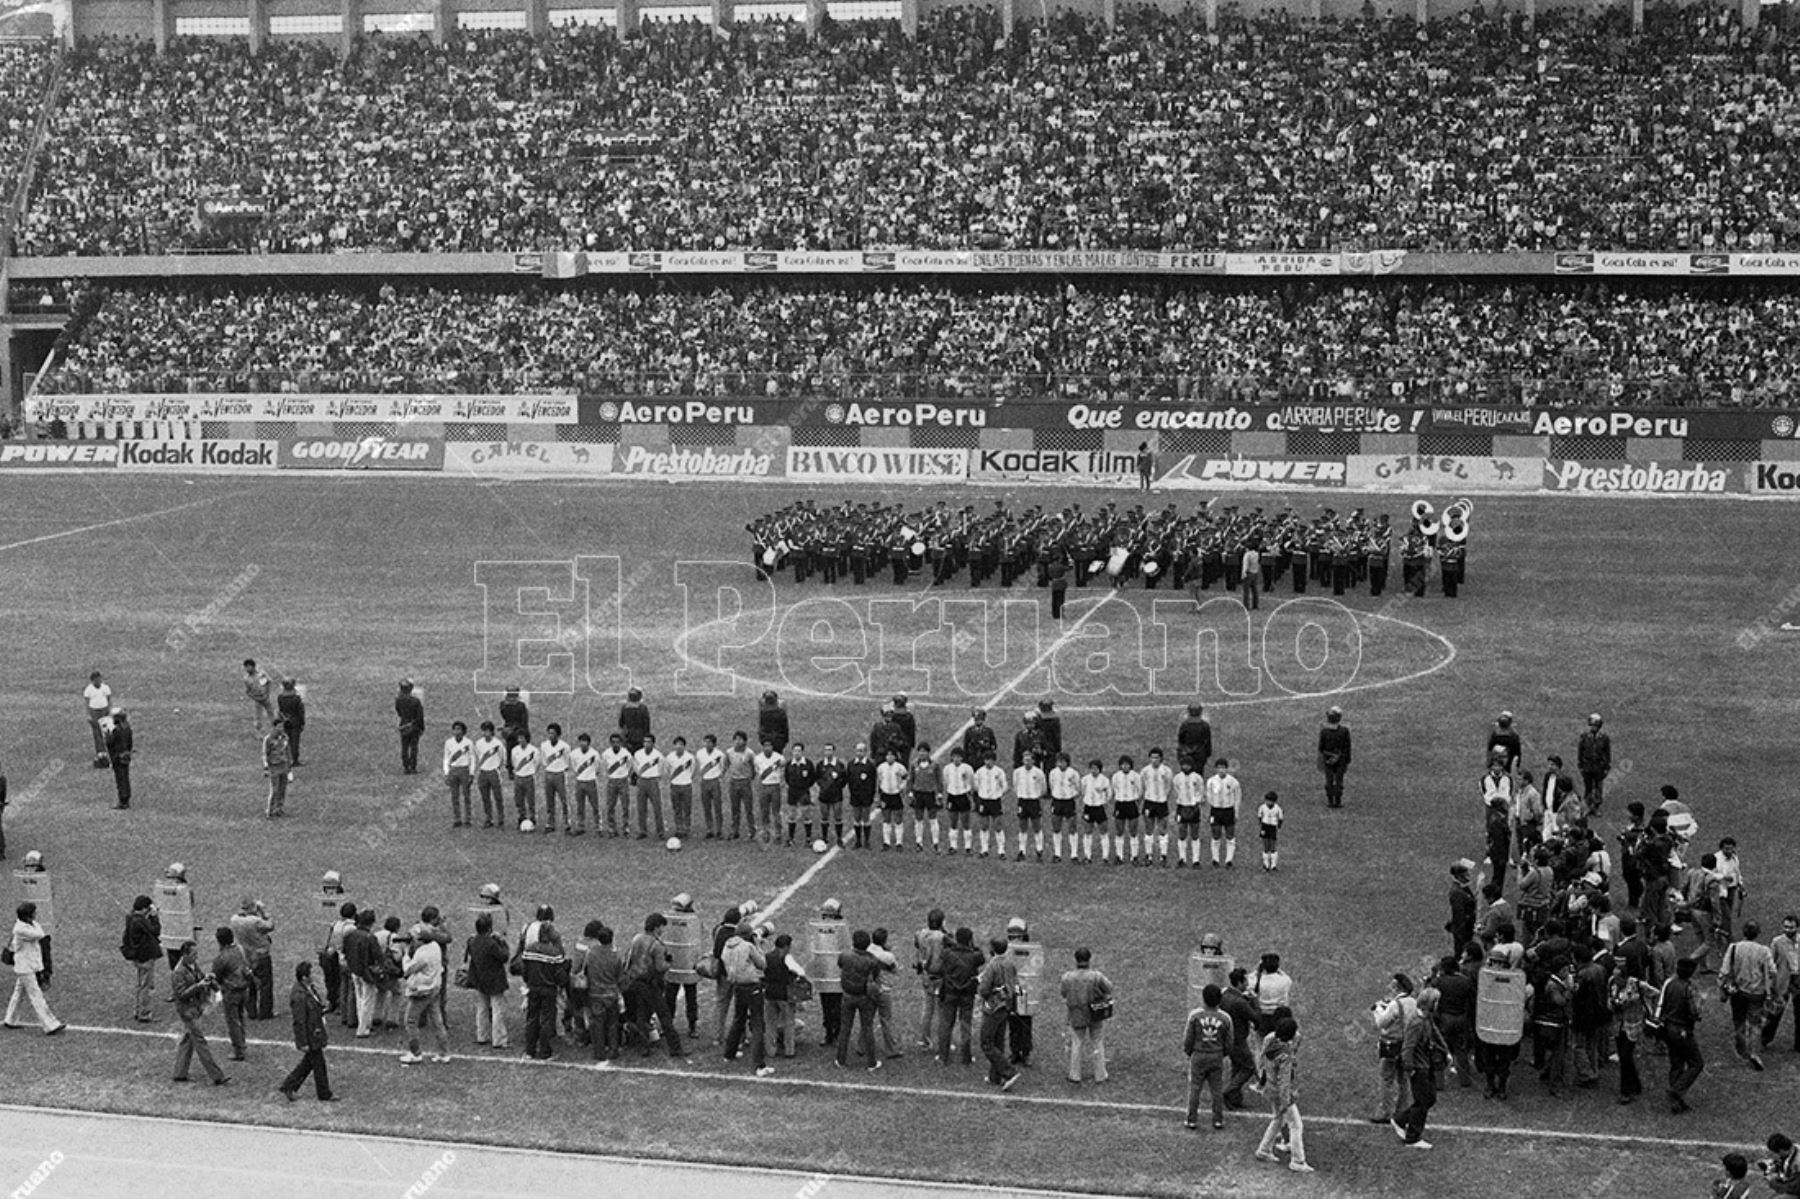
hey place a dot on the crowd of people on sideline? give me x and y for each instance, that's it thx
(1477, 132)
(1593, 959)
(1548, 343)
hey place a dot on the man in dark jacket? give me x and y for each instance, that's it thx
(997, 986)
(962, 963)
(908, 725)
(1461, 925)
(142, 946)
(1593, 757)
(856, 973)
(546, 969)
(604, 971)
(1193, 741)
(231, 970)
(1334, 755)
(1237, 1004)
(118, 751)
(634, 720)
(487, 957)
(515, 723)
(1050, 730)
(1681, 1020)
(365, 963)
(979, 744)
(292, 706)
(191, 989)
(1503, 743)
(309, 1037)
(410, 711)
(772, 721)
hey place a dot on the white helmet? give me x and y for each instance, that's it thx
(332, 879)
(831, 907)
(683, 902)
(177, 871)
(34, 859)
(490, 890)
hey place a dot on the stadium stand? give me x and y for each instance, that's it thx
(1478, 133)
(1549, 343)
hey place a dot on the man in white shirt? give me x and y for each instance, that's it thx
(615, 761)
(490, 756)
(553, 757)
(1190, 796)
(1127, 790)
(890, 798)
(647, 764)
(709, 764)
(680, 765)
(98, 697)
(585, 764)
(459, 773)
(1029, 785)
(1159, 789)
(959, 780)
(771, 767)
(1223, 796)
(990, 797)
(1065, 793)
(524, 771)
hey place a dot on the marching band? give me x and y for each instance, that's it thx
(857, 540)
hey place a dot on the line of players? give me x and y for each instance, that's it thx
(1129, 811)
(1195, 550)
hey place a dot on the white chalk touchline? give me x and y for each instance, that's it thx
(890, 1090)
(107, 524)
(796, 1173)
(788, 892)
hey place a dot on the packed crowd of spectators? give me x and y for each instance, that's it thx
(1547, 343)
(1478, 133)
(25, 68)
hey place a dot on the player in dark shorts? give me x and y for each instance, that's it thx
(1065, 794)
(1190, 794)
(927, 791)
(990, 796)
(1029, 784)
(1096, 794)
(959, 784)
(1127, 788)
(1159, 789)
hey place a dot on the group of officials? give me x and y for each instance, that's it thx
(1247, 551)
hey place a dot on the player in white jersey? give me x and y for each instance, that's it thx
(1159, 788)
(584, 764)
(1029, 784)
(1127, 789)
(553, 759)
(524, 771)
(1268, 819)
(1223, 797)
(959, 781)
(1065, 793)
(1096, 794)
(890, 788)
(490, 756)
(990, 798)
(1190, 798)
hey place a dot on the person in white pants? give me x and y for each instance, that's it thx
(28, 958)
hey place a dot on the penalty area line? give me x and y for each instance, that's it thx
(891, 1091)
(788, 892)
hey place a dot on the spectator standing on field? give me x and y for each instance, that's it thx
(634, 720)
(142, 947)
(486, 956)
(119, 742)
(310, 1037)
(1083, 988)
(1281, 1061)
(97, 698)
(1593, 757)
(231, 970)
(292, 706)
(277, 764)
(251, 929)
(1747, 979)
(411, 713)
(256, 690)
(26, 946)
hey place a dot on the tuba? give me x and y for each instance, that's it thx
(1456, 520)
(1424, 518)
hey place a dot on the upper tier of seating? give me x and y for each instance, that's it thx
(1474, 134)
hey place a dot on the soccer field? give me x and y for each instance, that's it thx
(1630, 608)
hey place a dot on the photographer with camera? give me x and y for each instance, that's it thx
(193, 991)
(142, 947)
(1781, 1170)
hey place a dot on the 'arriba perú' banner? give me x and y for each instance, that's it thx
(1350, 418)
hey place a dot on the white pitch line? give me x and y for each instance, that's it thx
(108, 524)
(787, 893)
(890, 1091)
